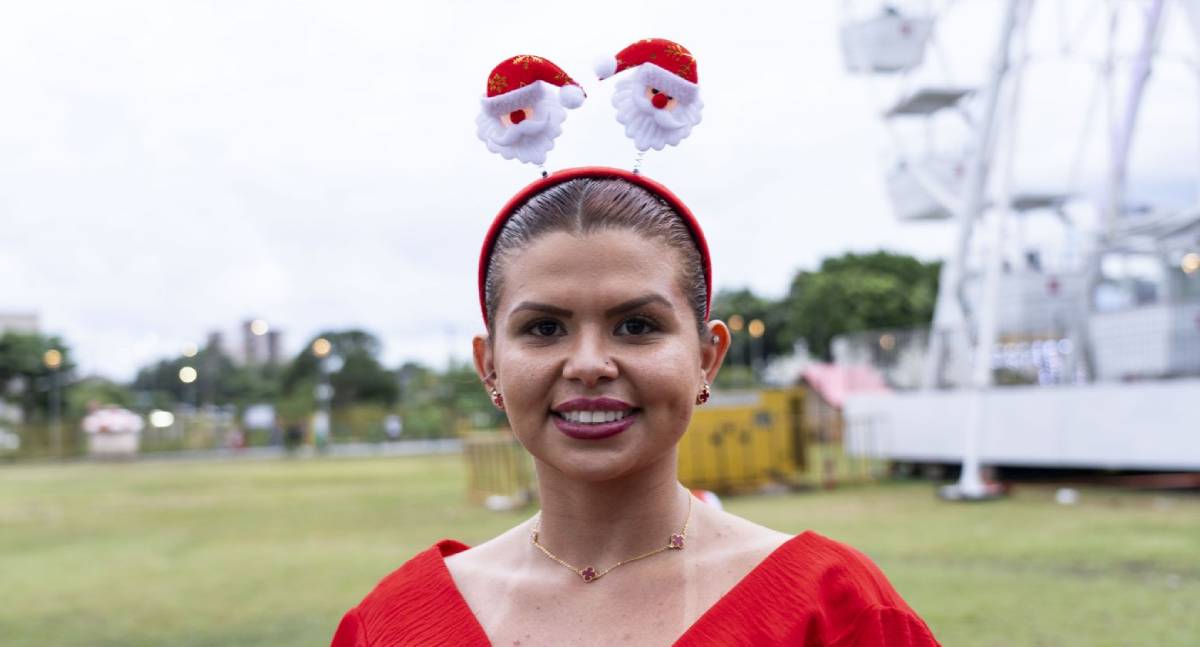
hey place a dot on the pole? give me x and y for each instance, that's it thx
(970, 484)
(950, 318)
(1122, 135)
(749, 341)
(56, 411)
(1120, 138)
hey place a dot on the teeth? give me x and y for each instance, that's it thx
(594, 417)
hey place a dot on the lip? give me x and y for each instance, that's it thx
(588, 431)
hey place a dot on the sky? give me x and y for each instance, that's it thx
(167, 169)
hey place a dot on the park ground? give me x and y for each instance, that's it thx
(272, 552)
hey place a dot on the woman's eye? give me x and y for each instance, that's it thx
(635, 326)
(544, 328)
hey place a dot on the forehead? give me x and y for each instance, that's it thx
(599, 268)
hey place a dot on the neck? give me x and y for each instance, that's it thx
(600, 523)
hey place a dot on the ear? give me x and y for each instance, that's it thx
(713, 348)
(481, 351)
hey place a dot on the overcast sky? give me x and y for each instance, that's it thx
(169, 168)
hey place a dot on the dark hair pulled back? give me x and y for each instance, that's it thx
(585, 205)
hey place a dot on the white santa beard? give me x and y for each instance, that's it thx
(650, 127)
(528, 141)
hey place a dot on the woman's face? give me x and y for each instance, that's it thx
(596, 352)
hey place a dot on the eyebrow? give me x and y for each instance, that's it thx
(640, 302)
(632, 304)
(542, 307)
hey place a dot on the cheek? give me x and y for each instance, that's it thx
(527, 379)
(664, 377)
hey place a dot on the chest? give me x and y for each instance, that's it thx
(567, 623)
(652, 607)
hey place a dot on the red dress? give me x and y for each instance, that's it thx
(809, 591)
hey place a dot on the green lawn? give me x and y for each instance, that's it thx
(271, 553)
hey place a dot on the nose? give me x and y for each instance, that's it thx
(588, 360)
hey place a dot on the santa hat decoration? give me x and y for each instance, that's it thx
(524, 107)
(660, 102)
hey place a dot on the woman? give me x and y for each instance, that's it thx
(595, 285)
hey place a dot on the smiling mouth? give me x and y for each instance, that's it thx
(593, 417)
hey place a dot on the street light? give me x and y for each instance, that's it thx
(321, 347)
(756, 328)
(188, 375)
(259, 327)
(53, 360)
(326, 364)
(887, 341)
(736, 324)
(190, 350)
(1190, 263)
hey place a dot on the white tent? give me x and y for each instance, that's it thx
(113, 432)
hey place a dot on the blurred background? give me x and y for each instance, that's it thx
(957, 243)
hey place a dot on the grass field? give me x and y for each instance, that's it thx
(271, 553)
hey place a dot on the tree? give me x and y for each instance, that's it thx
(744, 350)
(360, 378)
(24, 374)
(96, 390)
(857, 292)
(218, 380)
(438, 404)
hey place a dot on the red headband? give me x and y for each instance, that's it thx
(595, 172)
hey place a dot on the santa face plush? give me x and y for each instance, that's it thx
(652, 116)
(522, 126)
(526, 102)
(658, 101)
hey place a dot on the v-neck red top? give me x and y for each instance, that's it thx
(810, 591)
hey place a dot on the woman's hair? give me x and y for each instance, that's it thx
(584, 205)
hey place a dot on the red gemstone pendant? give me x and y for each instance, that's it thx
(588, 574)
(676, 541)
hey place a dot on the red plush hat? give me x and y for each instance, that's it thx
(678, 76)
(525, 105)
(594, 172)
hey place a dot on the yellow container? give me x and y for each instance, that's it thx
(744, 440)
(499, 470)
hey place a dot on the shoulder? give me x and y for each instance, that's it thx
(489, 560)
(841, 574)
(812, 590)
(412, 593)
(854, 599)
(422, 575)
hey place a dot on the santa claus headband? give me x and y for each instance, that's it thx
(525, 105)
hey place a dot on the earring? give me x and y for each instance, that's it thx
(497, 399)
(704, 394)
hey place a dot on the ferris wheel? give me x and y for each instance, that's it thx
(962, 126)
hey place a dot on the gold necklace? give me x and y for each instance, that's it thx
(590, 574)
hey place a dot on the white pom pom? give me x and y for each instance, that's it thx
(605, 66)
(571, 96)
